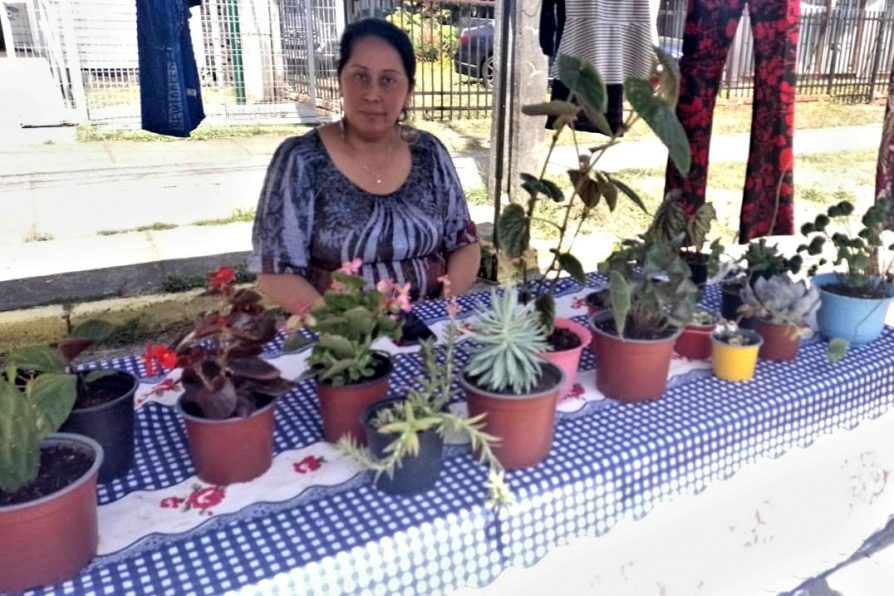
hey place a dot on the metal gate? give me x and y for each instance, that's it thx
(39, 74)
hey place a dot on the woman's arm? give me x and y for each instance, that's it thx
(462, 267)
(292, 292)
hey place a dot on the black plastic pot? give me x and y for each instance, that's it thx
(698, 272)
(730, 301)
(110, 424)
(416, 473)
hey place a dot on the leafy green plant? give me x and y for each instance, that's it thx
(424, 409)
(780, 300)
(675, 221)
(37, 393)
(507, 343)
(29, 412)
(348, 321)
(651, 292)
(862, 276)
(653, 100)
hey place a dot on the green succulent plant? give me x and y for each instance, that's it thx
(507, 342)
(423, 409)
(780, 300)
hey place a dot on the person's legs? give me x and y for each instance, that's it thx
(710, 28)
(767, 206)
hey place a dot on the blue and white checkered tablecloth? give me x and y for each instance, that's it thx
(614, 461)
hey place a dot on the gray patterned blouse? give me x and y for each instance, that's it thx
(311, 218)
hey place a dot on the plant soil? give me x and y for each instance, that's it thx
(59, 467)
(563, 339)
(101, 391)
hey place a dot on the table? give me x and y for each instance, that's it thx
(314, 525)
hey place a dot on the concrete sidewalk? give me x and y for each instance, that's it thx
(79, 207)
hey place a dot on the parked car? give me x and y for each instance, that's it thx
(474, 55)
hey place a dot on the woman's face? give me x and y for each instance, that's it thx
(374, 87)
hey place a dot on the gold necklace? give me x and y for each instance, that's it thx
(379, 179)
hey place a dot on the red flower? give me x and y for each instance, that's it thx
(310, 463)
(205, 498)
(158, 358)
(171, 502)
(221, 279)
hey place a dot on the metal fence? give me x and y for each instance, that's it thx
(275, 59)
(258, 60)
(844, 53)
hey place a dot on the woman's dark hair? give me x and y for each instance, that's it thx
(385, 31)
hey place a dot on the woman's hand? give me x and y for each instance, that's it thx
(462, 268)
(292, 292)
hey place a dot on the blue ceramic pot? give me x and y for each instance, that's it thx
(857, 320)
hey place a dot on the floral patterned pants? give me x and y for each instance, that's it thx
(767, 206)
(884, 175)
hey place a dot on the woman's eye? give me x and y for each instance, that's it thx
(388, 82)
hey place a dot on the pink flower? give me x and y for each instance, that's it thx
(351, 267)
(453, 308)
(403, 297)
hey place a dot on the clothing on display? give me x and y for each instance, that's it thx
(884, 172)
(615, 36)
(170, 90)
(767, 202)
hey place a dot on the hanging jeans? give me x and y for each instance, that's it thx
(767, 206)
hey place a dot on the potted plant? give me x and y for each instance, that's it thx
(675, 221)
(350, 375)
(104, 408)
(653, 100)
(48, 518)
(695, 340)
(652, 299)
(760, 260)
(734, 352)
(507, 378)
(405, 435)
(229, 391)
(854, 299)
(780, 308)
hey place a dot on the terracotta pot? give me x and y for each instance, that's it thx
(781, 342)
(341, 407)
(569, 360)
(523, 423)
(230, 450)
(49, 540)
(110, 424)
(735, 363)
(632, 370)
(416, 473)
(695, 342)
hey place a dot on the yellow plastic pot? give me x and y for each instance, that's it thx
(735, 362)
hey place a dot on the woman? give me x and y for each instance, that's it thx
(364, 188)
